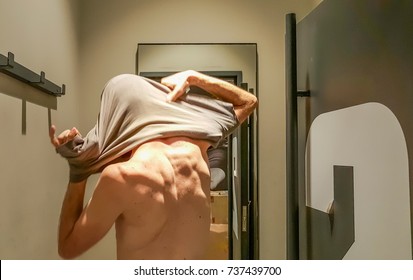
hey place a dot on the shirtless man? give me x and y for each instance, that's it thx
(158, 198)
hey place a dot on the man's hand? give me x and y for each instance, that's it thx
(179, 84)
(243, 101)
(63, 137)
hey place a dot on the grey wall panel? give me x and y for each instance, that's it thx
(354, 52)
(332, 234)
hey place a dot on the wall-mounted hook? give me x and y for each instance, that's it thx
(7, 62)
(41, 79)
(63, 89)
(15, 70)
(10, 59)
(303, 93)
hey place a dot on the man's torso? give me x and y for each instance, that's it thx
(167, 215)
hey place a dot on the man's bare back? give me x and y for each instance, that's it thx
(167, 214)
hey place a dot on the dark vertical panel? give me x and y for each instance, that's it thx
(245, 189)
(235, 223)
(230, 168)
(332, 234)
(291, 134)
(24, 117)
(353, 52)
(253, 190)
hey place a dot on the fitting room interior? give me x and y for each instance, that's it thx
(301, 179)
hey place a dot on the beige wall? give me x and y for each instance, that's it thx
(43, 36)
(84, 50)
(317, 2)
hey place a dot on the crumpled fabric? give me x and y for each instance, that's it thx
(133, 111)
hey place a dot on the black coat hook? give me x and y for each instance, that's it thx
(18, 71)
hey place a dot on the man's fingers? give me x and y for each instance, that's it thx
(172, 96)
(72, 133)
(63, 137)
(177, 92)
(169, 85)
(52, 136)
(177, 83)
(52, 131)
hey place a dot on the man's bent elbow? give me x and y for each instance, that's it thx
(66, 252)
(254, 102)
(251, 104)
(246, 109)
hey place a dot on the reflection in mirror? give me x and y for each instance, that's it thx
(233, 232)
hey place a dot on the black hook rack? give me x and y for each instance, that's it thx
(18, 71)
(303, 93)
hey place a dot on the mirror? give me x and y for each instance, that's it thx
(234, 194)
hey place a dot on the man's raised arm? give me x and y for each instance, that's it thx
(243, 101)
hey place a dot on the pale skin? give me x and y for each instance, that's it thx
(158, 198)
